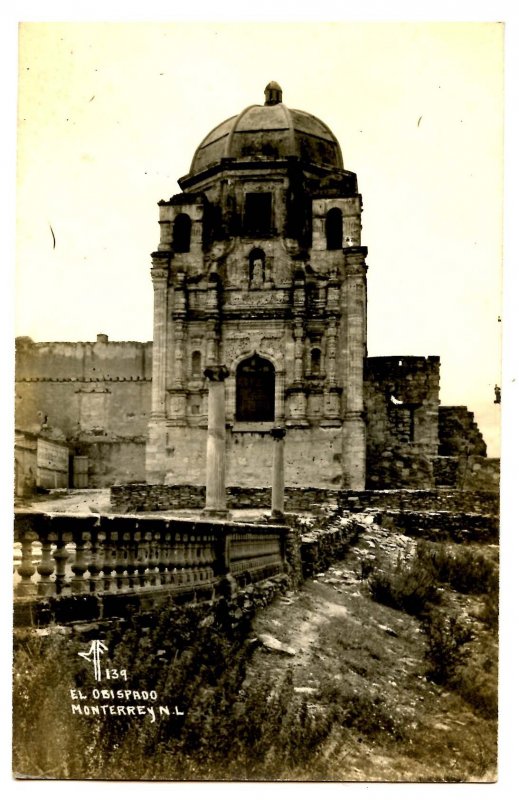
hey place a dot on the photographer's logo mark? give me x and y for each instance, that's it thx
(94, 656)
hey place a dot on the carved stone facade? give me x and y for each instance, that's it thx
(260, 268)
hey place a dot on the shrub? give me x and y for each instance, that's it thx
(446, 636)
(408, 587)
(465, 569)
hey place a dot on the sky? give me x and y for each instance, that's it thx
(109, 116)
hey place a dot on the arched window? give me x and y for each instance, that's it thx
(182, 233)
(255, 390)
(333, 228)
(256, 267)
(315, 361)
(196, 364)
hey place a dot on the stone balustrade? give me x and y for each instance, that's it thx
(72, 566)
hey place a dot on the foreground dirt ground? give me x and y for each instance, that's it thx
(350, 648)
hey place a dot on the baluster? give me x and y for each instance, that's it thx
(46, 586)
(61, 558)
(26, 569)
(79, 584)
(211, 551)
(181, 559)
(143, 554)
(95, 565)
(109, 563)
(165, 560)
(132, 560)
(121, 562)
(153, 558)
(206, 558)
(195, 558)
(190, 559)
(175, 563)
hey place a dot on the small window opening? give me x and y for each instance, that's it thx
(196, 364)
(333, 228)
(315, 361)
(182, 233)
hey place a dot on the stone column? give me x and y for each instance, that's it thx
(159, 277)
(278, 474)
(215, 499)
(354, 314)
(156, 441)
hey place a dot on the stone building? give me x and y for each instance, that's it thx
(260, 268)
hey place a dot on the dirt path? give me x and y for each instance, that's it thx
(369, 660)
(78, 501)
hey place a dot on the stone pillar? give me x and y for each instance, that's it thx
(354, 315)
(215, 499)
(159, 277)
(156, 441)
(278, 474)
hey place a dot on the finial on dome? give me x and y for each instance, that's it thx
(273, 94)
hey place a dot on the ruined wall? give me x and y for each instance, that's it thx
(40, 462)
(401, 399)
(459, 433)
(96, 394)
(145, 497)
(470, 473)
(25, 464)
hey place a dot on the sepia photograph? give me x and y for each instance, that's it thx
(257, 401)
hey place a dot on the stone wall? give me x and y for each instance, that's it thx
(112, 460)
(401, 398)
(40, 463)
(94, 395)
(442, 526)
(145, 497)
(25, 464)
(472, 473)
(311, 455)
(82, 361)
(459, 433)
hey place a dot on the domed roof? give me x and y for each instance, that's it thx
(269, 132)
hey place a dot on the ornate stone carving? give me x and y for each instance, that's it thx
(235, 347)
(271, 345)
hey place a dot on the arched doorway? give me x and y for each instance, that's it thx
(255, 390)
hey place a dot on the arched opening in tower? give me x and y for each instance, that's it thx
(255, 390)
(182, 233)
(333, 229)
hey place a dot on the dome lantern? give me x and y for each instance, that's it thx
(273, 94)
